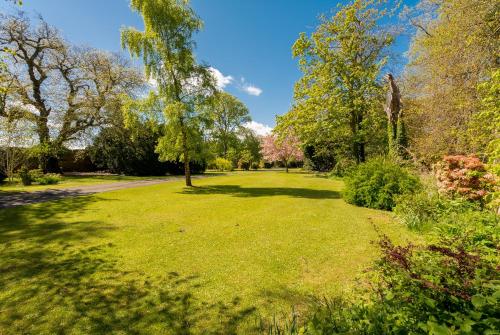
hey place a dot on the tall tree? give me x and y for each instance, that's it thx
(166, 47)
(455, 48)
(227, 115)
(61, 89)
(339, 94)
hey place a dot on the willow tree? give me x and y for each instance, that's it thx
(338, 96)
(166, 48)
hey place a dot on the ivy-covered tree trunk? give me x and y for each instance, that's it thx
(396, 130)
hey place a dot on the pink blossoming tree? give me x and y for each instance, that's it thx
(281, 150)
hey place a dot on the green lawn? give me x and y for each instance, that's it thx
(168, 260)
(69, 181)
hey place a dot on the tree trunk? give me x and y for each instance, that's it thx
(396, 129)
(286, 166)
(187, 169)
(362, 155)
(47, 161)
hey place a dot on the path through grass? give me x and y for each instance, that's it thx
(166, 259)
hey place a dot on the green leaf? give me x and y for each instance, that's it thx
(437, 329)
(478, 301)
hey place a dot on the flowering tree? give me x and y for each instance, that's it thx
(281, 150)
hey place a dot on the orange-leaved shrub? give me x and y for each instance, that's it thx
(465, 176)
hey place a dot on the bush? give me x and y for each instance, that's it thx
(377, 183)
(36, 174)
(3, 176)
(223, 164)
(464, 176)
(427, 208)
(118, 150)
(25, 176)
(343, 167)
(255, 166)
(48, 179)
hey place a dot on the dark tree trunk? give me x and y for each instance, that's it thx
(187, 169)
(286, 166)
(47, 161)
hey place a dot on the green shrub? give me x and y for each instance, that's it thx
(255, 166)
(36, 174)
(343, 167)
(427, 208)
(48, 179)
(25, 176)
(377, 183)
(223, 164)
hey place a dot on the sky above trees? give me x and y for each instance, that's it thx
(248, 43)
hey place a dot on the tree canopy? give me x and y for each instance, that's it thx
(339, 93)
(166, 48)
(62, 90)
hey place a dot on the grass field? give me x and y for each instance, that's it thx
(164, 259)
(69, 181)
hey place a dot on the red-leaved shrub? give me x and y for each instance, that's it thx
(465, 176)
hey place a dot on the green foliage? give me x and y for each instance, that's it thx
(338, 96)
(166, 48)
(344, 166)
(454, 49)
(37, 176)
(226, 115)
(377, 183)
(245, 161)
(223, 164)
(320, 155)
(427, 208)
(398, 139)
(25, 176)
(48, 179)
(486, 123)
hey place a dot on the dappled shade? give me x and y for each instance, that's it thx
(238, 191)
(52, 272)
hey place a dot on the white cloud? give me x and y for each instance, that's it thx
(249, 88)
(259, 128)
(252, 90)
(220, 79)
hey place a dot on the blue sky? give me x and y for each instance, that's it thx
(247, 41)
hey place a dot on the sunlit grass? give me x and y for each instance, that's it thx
(166, 259)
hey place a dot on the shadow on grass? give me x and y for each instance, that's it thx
(44, 222)
(238, 191)
(55, 279)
